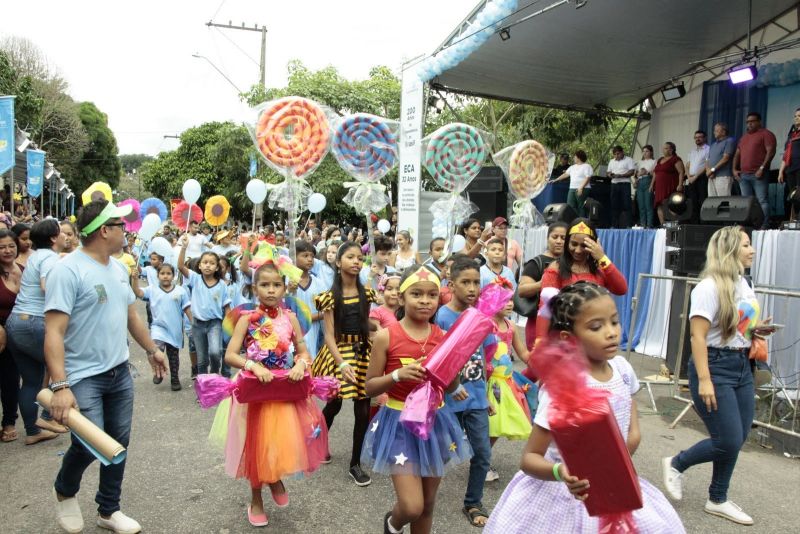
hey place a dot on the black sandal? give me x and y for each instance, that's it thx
(473, 513)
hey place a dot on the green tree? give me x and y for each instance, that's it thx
(100, 162)
(27, 104)
(129, 162)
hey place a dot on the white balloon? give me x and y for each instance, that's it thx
(384, 226)
(150, 225)
(191, 191)
(161, 246)
(316, 202)
(458, 243)
(256, 191)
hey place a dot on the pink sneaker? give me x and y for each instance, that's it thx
(281, 499)
(257, 520)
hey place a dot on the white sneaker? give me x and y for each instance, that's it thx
(673, 479)
(68, 514)
(729, 510)
(119, 523)
(492, 475)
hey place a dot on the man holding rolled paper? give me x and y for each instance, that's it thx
(88, 297)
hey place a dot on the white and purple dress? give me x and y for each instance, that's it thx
(533, 505)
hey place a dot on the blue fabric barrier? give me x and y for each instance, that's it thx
(552, 194)
(632, 253)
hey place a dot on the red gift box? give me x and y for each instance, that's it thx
(591, 444)
(250, 389)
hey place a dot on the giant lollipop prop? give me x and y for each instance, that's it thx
(365, 146)
(454, 155)
(292, 134)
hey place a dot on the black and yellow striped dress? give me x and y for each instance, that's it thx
(349, 344)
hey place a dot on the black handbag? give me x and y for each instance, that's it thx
(528, 307)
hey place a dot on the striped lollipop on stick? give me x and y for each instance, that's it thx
(454, 155)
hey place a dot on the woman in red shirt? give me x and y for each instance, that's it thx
(667, 177)
(583, 259)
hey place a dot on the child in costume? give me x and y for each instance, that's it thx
(415, 465)
(168, 304)
(270, 440)
(543, 496)
(345, 354)
(306, 290)
(384, 315)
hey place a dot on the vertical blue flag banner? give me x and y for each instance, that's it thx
(35, 172)
(8, 143)
(253, 166)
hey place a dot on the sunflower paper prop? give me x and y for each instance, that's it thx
(217, 210)
(133, 221)
(153, 205)
(181, 214)
(96, 191)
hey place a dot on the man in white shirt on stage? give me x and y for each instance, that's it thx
(696, 182)
(621, 169)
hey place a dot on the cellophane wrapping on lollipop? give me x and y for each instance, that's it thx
(527, 166)
(588, 437)
(449, 357)
(245, 388)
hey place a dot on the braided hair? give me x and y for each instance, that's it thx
(567, 304)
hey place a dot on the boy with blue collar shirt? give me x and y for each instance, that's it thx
(495, 256)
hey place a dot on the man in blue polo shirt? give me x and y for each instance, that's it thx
(88, 297)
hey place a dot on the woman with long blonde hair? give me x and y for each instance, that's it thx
(724, 317)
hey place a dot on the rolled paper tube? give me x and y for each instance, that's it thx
(454, 155)
(101, 445)
(365, 146)
(528, 169)
(293, 134)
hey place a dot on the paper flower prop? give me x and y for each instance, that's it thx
(133, 220)
(301, 310)
(181, 213)
(266, 253)
(96, 191)
(153, 205)
(233, 316)
(217, 210)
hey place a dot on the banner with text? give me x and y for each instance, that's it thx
(8, 143)
(410, 175)
(35, 172)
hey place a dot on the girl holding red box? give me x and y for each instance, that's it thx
(544, 496)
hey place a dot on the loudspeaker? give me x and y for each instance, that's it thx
(594, 212)
(732, 210)
(688, 261)
(684, 217)
(490, 205)
(559, 212)
(695, 236)
(489, 180)
(676, 322)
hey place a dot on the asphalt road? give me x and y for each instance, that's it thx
(175, 483)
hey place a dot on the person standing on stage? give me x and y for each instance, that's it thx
(89, 291)
(789, 172)
(579, 175)
(644, 196)
(719, 164)
(696, 180)
(667, 178)
(620, 169)
(751, 162)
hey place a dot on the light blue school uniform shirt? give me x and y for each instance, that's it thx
(306, 294)
(488, 276)
(473, 376)
(151, 275)
(96, 298)
(324, 272)
(208, 303)
(367, 281)
(167, 309)
(30, 299)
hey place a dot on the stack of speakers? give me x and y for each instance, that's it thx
(489, 192)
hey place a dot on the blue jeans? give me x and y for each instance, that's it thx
(476, 425)
(26, 341)
(729, 425)
(207, 337)
(644, 201)
(107, 401)
(750, 184)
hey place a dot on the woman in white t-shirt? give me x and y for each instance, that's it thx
(579, 174)
(644, 197)
(724, 317)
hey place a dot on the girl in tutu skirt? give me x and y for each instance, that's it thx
(270, 440)
(415, 465)
(543, 496)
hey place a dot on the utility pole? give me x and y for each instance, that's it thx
(255, 28)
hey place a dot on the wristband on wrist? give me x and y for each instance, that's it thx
(248, 365)
(556, 474)
(604, 262)
(343, 365)
(61, 384)
(396, 375)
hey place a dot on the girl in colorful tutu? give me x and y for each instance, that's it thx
(271, 440)
(415, 465)
(543, 496)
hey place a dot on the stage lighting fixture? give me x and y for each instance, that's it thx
(436, 102)
(505, 34)
(23, 141)
(742, 73)
(677, 203)
(794, 197)
(673, 92)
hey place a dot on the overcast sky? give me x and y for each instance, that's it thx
(134, 59)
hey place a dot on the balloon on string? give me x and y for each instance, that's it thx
(256, 191)
(161, 246)
(459, 243)
(150, 225)
(384, 226)
(191, 191)
(316, 202)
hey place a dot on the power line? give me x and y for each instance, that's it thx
(248, 56)
(220, 7)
